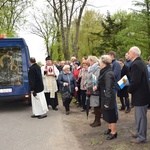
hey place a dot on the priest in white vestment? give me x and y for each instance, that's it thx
(39, 105)
(50, 75)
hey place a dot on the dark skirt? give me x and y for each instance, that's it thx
(110, 116)
(51, 101)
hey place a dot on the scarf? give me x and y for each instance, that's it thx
(93, 67)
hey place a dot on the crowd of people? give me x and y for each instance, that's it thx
(95, 79)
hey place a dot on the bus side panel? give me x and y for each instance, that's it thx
(25, 64)
(19, 91)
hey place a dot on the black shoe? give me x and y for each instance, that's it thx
(82, 110)
(42, 116)
(148, 107)
(111, 136)
(135, 141)
(122, 108)
(127, 110)
(96, 124)
(134, 135)
(67, 112)
(33, 116)
(55, 108)
(107, 132)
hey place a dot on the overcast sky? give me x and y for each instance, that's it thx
(35, 43)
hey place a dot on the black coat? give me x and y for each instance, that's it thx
(35, 78)
(124, 92)
(106, 85)
(69, 78)
(139, 83)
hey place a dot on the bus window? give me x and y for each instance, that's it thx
(11, 66)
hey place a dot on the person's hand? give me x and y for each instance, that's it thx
(94, 88)
(106, 106)
(34, 94)
(54, 75)
(76, 88)
(65, 84)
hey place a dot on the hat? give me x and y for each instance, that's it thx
(48, 58)
(78, 63)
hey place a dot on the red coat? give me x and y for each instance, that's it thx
(76, 73)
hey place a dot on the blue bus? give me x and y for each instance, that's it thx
(14, 65)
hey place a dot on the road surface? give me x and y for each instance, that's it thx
(18, 131)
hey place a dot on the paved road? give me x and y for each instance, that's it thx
(18, 131)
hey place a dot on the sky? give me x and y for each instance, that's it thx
(36, 44)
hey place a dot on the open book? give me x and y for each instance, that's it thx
(124, 81)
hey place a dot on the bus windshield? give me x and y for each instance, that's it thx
(11, 66)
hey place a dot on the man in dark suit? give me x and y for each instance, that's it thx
(123, 93)
(139, 89)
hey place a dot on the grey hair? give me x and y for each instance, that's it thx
(106, 59)
(136, 50)
(93, 58)
(66, 67)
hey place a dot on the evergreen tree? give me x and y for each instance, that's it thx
(143, 24)
(111, 27)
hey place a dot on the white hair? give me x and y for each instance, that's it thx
(136, 50)
(66, 67)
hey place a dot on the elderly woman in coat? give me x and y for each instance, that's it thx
(106, 86)
(68, 83)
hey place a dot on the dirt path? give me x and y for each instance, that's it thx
(93, 139)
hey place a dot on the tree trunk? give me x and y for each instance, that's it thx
(75, 43)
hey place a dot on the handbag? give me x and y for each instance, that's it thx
(66, 96)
